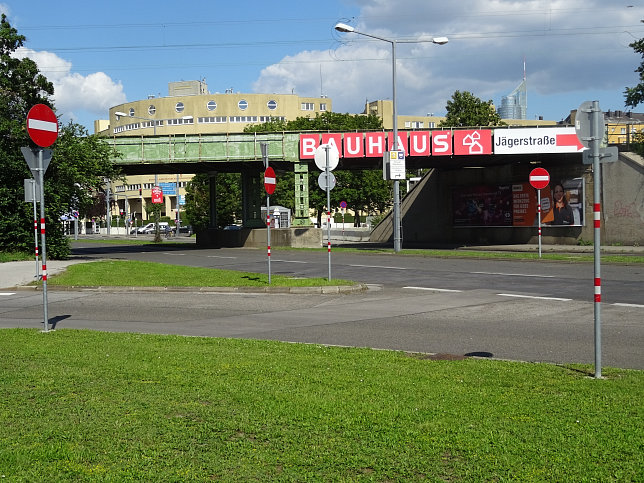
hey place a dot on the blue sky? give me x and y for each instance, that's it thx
(100, 55)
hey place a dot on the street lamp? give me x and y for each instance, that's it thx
(341, 27)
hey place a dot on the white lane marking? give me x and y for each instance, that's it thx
(533, 297)
(290, 261)
(513, 274)
(174, 253)
(7, 293)
(639, 306)
(379, 266)
(217, 256)
(433, 289)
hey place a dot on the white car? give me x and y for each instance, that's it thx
(150, 227)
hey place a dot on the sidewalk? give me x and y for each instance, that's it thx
(13, 274)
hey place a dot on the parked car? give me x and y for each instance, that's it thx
(150, 227)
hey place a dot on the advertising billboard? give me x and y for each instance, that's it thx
(562, 204)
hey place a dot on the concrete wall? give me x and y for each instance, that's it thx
(299, 237)
(426, 212)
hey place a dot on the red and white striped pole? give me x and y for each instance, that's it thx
(41, 174)
(596, 135)
(539, 218)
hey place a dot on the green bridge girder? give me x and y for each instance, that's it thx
(212, 153)
(198, 153)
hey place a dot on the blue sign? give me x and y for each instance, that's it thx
(168, 188)
(182, 200)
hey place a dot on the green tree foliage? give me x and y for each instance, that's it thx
(635, 95)
(77, 168)
(465, 109)
(363, 190)
(228, 200)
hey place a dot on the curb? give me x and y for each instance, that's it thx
(330, 289)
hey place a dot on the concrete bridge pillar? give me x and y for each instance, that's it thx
(252, 199)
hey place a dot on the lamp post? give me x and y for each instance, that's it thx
(341, 27)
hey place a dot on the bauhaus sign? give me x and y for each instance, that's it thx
(461, 142)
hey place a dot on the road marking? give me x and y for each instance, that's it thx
(434, 289)
(379, 266)
(639, 306)
(513, 274)
(533, 297)
(290, 261)
(7, 293)
(218, 256)
(174, 253)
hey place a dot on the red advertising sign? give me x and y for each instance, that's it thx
(42, 125)
(157, 195)
(472, 142)
(441, 143)
(419, 143)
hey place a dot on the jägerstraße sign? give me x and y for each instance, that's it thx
(542, 140)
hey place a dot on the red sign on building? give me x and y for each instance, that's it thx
(157, 194)
(472, 142)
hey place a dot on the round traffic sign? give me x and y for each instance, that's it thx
(323, 182)
(320, 157)
(42, 125)
(539, 178)
(269, 180)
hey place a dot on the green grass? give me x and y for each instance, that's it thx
(143, 274)
(16, 256)
(91, 406)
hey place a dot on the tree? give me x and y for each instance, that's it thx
(228, 200)
(78, 166)
(635, 95)
(363, 190)
(465, 109)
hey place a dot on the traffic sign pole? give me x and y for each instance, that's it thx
(328, 207)
(539, 218)
(268, 187)
(596, 135)
(43, 255)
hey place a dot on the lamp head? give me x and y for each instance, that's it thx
(119, 114)
(440, 40)
(343, 27)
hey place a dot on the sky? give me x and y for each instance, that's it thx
(99, 55)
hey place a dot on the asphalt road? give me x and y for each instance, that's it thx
(532, 311)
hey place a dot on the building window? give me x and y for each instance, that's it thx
(212, 105)
(242, 119)
(243, 104)
(152, 109)
(177, 122)
(212, 120)
(179, 107)
(307, 106)
(272, 105)
(323, 106)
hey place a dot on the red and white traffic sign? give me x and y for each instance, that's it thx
(539, 178)
(42, 125)
(269, 180)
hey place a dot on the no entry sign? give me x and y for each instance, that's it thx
(269, 180)
(42, 125)
(539, 178)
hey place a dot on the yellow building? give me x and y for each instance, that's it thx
(190, 109)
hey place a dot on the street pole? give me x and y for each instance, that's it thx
(178, 223)
(328, 205)
(108, 215)
(264, 148)
(41, 177)
(397, 239)
(596, 134)
(539, 218)
(36, 234)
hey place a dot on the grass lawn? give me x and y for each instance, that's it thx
(142, 274)
(92, 406)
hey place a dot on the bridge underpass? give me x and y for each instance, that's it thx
(241, 153)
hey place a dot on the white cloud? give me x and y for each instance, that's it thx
(578, 46)
(76, 97)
